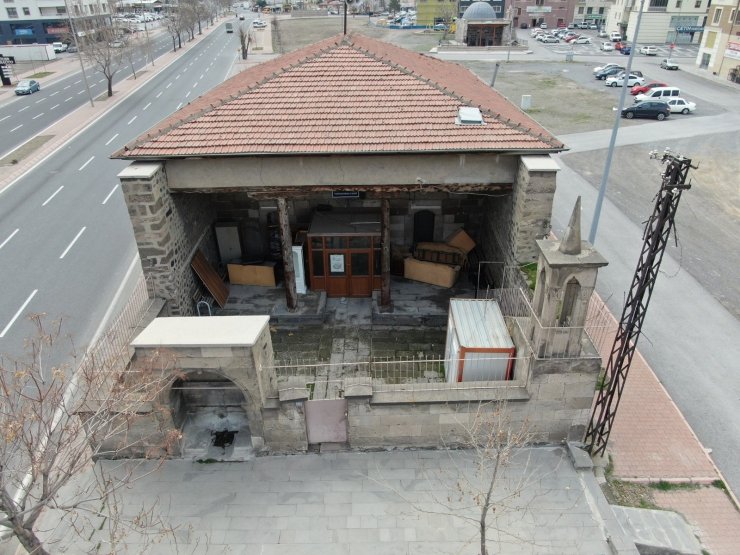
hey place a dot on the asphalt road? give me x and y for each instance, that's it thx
(23, 117)
(64, 228)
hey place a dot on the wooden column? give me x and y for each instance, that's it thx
(286, 245)
(385, 255)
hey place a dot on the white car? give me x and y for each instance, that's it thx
(618, 80)
(605, 67)
(583, 40)
(681, 106)
(607, 47)
(649, 50)
(259, 24)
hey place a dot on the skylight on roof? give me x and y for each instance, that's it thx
(469, 116)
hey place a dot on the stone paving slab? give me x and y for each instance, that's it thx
(401, 502)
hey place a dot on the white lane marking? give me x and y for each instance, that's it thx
(77, 82)
(101, 81)
(187, 94)
(24, 108)
(111, 139)
(20, 310)
(16, 127)
(158, 94)
(201, 76)
(6, 117)
(40, 100)
(81, 92)
(178, 107)
(147, 106)
(113, 190)
(47, 201)
(55, 92)
(73, 242)
(55, 106)
(67, 87)
(70, 98)
(38, 115)
(195, 84)
(83, 166)
(9, 238)
(131, 120)
(168, 85)
(177, 77)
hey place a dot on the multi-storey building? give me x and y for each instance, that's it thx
(719, 51)
(532, 13)
(663, 21)
(431, 12)
(47, 21)
(592, 10)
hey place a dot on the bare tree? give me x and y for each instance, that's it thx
(174, 28)
(55, 419)
(245, 39)
(102, 48)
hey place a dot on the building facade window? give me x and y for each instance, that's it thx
(580, 11)
(26, 11)
(678, 4)
(711, 37)
(717, 16)
(12, 13)
(589, 11)
(659, 4)
(697, 4)
(601, 11)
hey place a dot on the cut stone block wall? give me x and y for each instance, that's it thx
(168, 229)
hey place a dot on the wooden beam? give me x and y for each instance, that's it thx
(286, 244)
(385, 254)
(379, 190)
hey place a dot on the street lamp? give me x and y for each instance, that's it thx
(79, 53)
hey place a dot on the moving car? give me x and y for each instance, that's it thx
(618, 80)
(681, 106)
(668, 64)
(647, 109)
(649, 50)
(27, 86)
(603, 74)
(638, 89)
(259, 24)
(607, 47)
(583, 40)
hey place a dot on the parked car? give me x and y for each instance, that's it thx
(572, 38)
(259, 24)
(614, 36)
(618, 45)
(681, 106)
(597, 69)
(647, 109)
(59, 47)
(27, 86)
(608, 72)
(607, 47)
(649, 50)
(550, 39)
(626, 50)
(638, 89)
(659, 93)
(543, 25)
(72, 49)
(583, 40)
(668, 64)
(618, 80)
(602, 34)
(440, 27)
(117, 44)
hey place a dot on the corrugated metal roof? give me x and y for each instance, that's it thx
(479, 323)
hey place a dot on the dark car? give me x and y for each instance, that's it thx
(602, 75)
(647, 109)
(626, 50)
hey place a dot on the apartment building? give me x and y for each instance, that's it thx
(663, 21)
(46, 21)
(719, 51)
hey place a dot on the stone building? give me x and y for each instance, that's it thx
(482, 24)
(378, 146)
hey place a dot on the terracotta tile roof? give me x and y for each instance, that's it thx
(347, 94)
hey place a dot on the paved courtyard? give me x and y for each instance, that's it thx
(399, 502)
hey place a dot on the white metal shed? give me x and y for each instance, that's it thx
(479, 346)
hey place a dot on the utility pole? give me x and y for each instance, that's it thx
(655, 239)
(79, 53)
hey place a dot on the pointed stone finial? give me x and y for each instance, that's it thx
(571, 243)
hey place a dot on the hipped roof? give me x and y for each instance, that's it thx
(344, 95)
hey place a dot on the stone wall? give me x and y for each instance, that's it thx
(168, 229)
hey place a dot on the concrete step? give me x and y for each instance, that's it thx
(657, 532)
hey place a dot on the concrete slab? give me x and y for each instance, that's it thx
(656, 532)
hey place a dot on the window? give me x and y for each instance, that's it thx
(12, 13)
(26, 11)
(580, 11)
(659, 4)
(61, 10)
(601, 11)
(678, 4)
(697, 4)
(717, 16)
(711, 37)
(589, 11)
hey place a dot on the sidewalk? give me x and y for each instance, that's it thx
(651, 441)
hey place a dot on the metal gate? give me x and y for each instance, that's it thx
(326, 421)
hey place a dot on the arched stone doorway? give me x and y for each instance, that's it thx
(211, 412)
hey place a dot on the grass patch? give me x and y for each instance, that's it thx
(25, 150)
(719, 484)
(662, 485)
(530, 272)
(630, 494)
(41, 74)
(601, 383)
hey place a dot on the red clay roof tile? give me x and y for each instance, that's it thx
(347, 94)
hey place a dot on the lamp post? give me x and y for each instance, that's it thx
(79, 53)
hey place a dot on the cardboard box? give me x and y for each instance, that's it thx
(262, 274)
(461, 240)
(430, 272)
